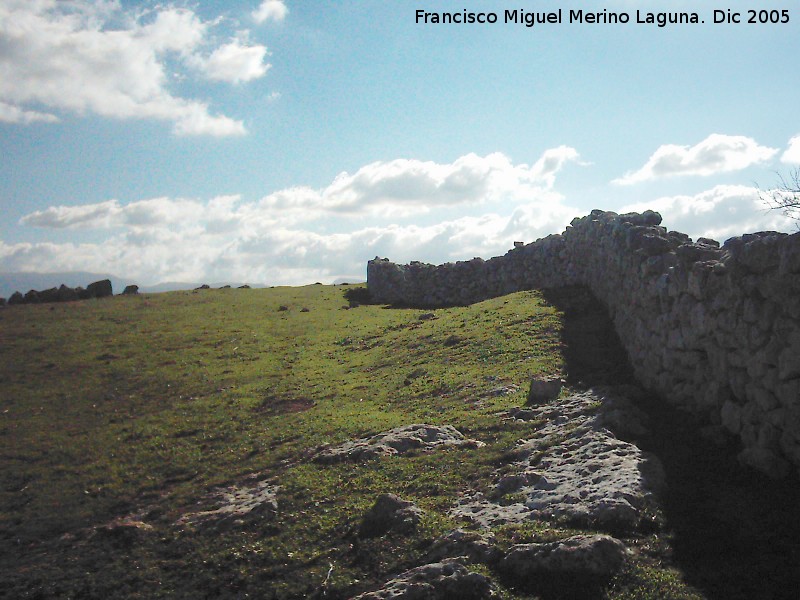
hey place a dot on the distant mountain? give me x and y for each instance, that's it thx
(174, 286)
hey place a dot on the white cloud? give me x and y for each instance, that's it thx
(715, 154)
(404, 187)
(83, 56)
(282, 238)
(87, 216)
(270, 10)
(792, 154)
(14, 114)
(719, 213)
(236, 63)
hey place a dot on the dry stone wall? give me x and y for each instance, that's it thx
(714, 329)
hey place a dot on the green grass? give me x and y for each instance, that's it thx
(143, 404)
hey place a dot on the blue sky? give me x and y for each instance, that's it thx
(287, 142)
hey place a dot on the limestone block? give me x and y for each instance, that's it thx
(789, 394)
(769, 436)
(766, 400)
(789, 255)
(789, 363)
(766, 461)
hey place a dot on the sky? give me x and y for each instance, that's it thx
(285, 142)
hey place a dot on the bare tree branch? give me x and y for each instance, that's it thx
(785, 197)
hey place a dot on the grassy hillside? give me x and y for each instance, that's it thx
(137, 407)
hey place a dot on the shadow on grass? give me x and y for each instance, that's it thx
(734, 533)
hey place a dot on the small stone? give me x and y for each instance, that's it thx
(390, 513)
(544, 390)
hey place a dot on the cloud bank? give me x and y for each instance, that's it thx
(715, 154)
(282, 238)
(97, 57)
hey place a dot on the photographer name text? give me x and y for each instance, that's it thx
(777, 16)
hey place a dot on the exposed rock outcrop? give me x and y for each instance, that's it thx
(395, 441)
(236, 504)
(444, 580)
(575, 469)
(581, 556)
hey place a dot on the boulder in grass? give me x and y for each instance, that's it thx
(16, 298)
(67, 294)
(130, 290)
(100, 289)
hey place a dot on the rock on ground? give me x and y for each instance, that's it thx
(446, 580)
(395, 441)
(472, 545)
(544, 390)
(582, 556)
(575, 469)
(390, 512)
(236, 504)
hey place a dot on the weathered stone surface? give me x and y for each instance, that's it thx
(235, 505)
(699, 322)
(396, 441)
(446, 580)
(583, 556)
(389, 513)
(130, 290)
(471, 545)
(574, 468)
